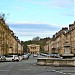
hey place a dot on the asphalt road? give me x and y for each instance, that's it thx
(29, 67)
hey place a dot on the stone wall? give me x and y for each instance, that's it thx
(56, 62)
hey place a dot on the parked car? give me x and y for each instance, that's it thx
(35, 55)
(54, 55)
(43, 54)
(2, 57)
(25, 56)
(12, 58)
(29, 54)
(20, 57)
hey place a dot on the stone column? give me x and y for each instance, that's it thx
(67, 51)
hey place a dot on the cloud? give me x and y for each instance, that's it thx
(27, 35)
(33, 27)
(24, 23)
(67, 14)
(40, 34)
(20, 8)
(54, 3)
(33, 30)
(63, 3)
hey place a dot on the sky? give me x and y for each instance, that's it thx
(32, 18)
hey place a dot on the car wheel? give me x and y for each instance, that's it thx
(13, 60)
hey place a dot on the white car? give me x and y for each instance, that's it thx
(12, 58)
(35, 55)
(25, 56)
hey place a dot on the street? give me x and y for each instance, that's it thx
(29, 67)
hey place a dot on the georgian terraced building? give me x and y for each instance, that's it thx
(47, 46)
(70, 37)
(9, 43)
(59, 40)
(33, 48)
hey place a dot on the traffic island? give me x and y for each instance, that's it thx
(68, 59)
(55, 62)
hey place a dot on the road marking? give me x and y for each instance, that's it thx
(53, 70)
(4, 70)
(25, 69)
(70, 73)
(56, 71)
(64, 73)
(60, 72)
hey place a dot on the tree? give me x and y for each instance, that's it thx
(36, 38)
(37, 41)
(2, 16)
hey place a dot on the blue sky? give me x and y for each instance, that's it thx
(43, 18)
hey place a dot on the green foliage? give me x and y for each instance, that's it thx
(40, 42)
(36, 38)
(2, 16)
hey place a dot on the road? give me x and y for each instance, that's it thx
(29, 67)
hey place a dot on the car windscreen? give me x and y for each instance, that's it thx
(9, 56)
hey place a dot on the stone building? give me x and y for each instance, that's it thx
(20, 48)
(8, 41)
(33, 48)
(46, 47)
(60, 39)
(70, 37)
(52, 48)
(56, 44)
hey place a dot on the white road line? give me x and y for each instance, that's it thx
(24, 69)
(4, 70)
(56, 71)
(60, 72)
(64, 73)
(70, 73)
(53, 70)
